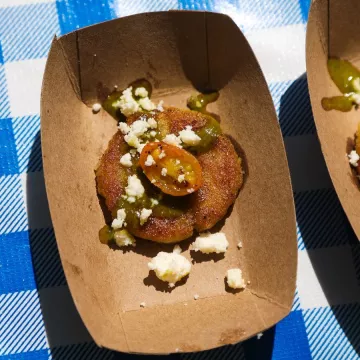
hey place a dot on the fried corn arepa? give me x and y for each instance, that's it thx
(222, 178)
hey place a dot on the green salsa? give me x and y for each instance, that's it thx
(199, 102)
(211, 130)
(347, 78)
(208, 135)
(162, 205)
(106, 234)
(109, 103)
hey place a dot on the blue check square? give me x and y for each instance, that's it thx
(75, 14)
(205, 5)
(8, 159)
(1, 55)
(286, 341)
(31, 355)
(305, 7)
(15, 262)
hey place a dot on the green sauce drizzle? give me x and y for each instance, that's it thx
(167, 207)
(108, 103)
(211, 130)
(199, 102)
(347, 78)
(208, 135)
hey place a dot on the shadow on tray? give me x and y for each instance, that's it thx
(330, 264)
(67, 336)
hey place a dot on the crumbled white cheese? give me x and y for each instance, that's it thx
(142, 304)
(130, 199)
(144, 215)
(162, 154)
(124, 238)
(177, 162)
(170, 267)
(96, 108)
(154, 202)
(152, 123)
(118, 222)
(353, 158)
(235, 279)
(132, 152)
(132, 140)
(190, 191)
(149, 161)
(160, 106)
(163, 171)
(127, 104)
(153, 181)
(181, 178)
(134, 188)
(177, 249)
(147, 104)
(124, 128)
(259, 335)
(196, 297)
(172, 139)
(126, 160)
(354, 97)
(139, 127)
(239, 245)
(189, 137)
(141, 91)
(211, 243)
(152, 133)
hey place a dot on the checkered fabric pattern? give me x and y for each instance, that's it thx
(38, 319)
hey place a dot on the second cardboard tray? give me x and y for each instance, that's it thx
(332, 32)
(178, 52)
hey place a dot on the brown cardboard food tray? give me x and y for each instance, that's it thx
(335, 129)
(178, 52)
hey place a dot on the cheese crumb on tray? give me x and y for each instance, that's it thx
(96, 108)
(353, 158)
(235, 279)
(170, 267)
(208, 243)
(124, 238)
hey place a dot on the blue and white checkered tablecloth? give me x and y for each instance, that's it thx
(38, 319)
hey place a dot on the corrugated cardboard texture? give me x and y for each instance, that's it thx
(332, 32)
(177, 52)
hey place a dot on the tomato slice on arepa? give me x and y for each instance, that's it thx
(172, 169)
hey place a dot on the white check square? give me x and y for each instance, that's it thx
(326, 277)
(24, 79)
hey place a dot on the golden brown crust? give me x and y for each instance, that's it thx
(111, 177)
(166, 230)
(222, 179)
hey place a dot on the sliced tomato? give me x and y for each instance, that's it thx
(182, 174)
